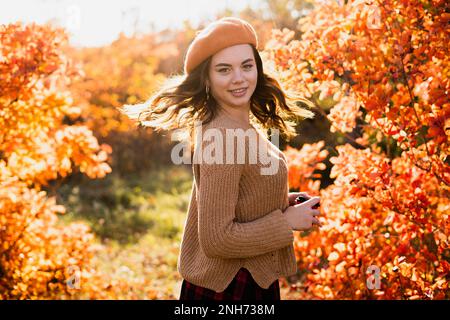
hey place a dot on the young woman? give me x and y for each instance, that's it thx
(238, 235)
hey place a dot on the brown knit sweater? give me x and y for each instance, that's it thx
(235, 218)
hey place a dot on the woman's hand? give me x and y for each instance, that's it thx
(293, 195)
(302, 217)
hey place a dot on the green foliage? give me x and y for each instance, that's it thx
(125, 209)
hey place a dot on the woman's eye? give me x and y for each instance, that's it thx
(247, 67)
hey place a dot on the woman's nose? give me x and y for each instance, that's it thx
(237, 76)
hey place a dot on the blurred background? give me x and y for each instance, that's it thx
(93, 208)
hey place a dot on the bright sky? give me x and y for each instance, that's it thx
(98, 22)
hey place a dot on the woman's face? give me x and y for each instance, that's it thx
(233, 76)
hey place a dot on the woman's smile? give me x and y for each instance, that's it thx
(238, 92)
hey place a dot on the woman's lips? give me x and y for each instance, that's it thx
(239, 92)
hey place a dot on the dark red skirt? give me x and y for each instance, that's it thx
(243, 287)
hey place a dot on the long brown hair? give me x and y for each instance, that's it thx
(182, 100)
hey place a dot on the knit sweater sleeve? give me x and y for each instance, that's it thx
(220, 235)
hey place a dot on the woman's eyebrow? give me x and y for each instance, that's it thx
(229, 65)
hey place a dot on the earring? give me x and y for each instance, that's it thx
(207, 93)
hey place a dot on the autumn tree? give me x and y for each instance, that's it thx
(38, 145)
(124, 72)
(383, 67)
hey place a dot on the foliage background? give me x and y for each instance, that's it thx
(91, 207)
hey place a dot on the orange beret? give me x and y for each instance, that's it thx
(218, 35)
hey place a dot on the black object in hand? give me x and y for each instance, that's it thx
(301, 199)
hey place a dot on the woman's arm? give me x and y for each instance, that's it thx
(220, 235)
